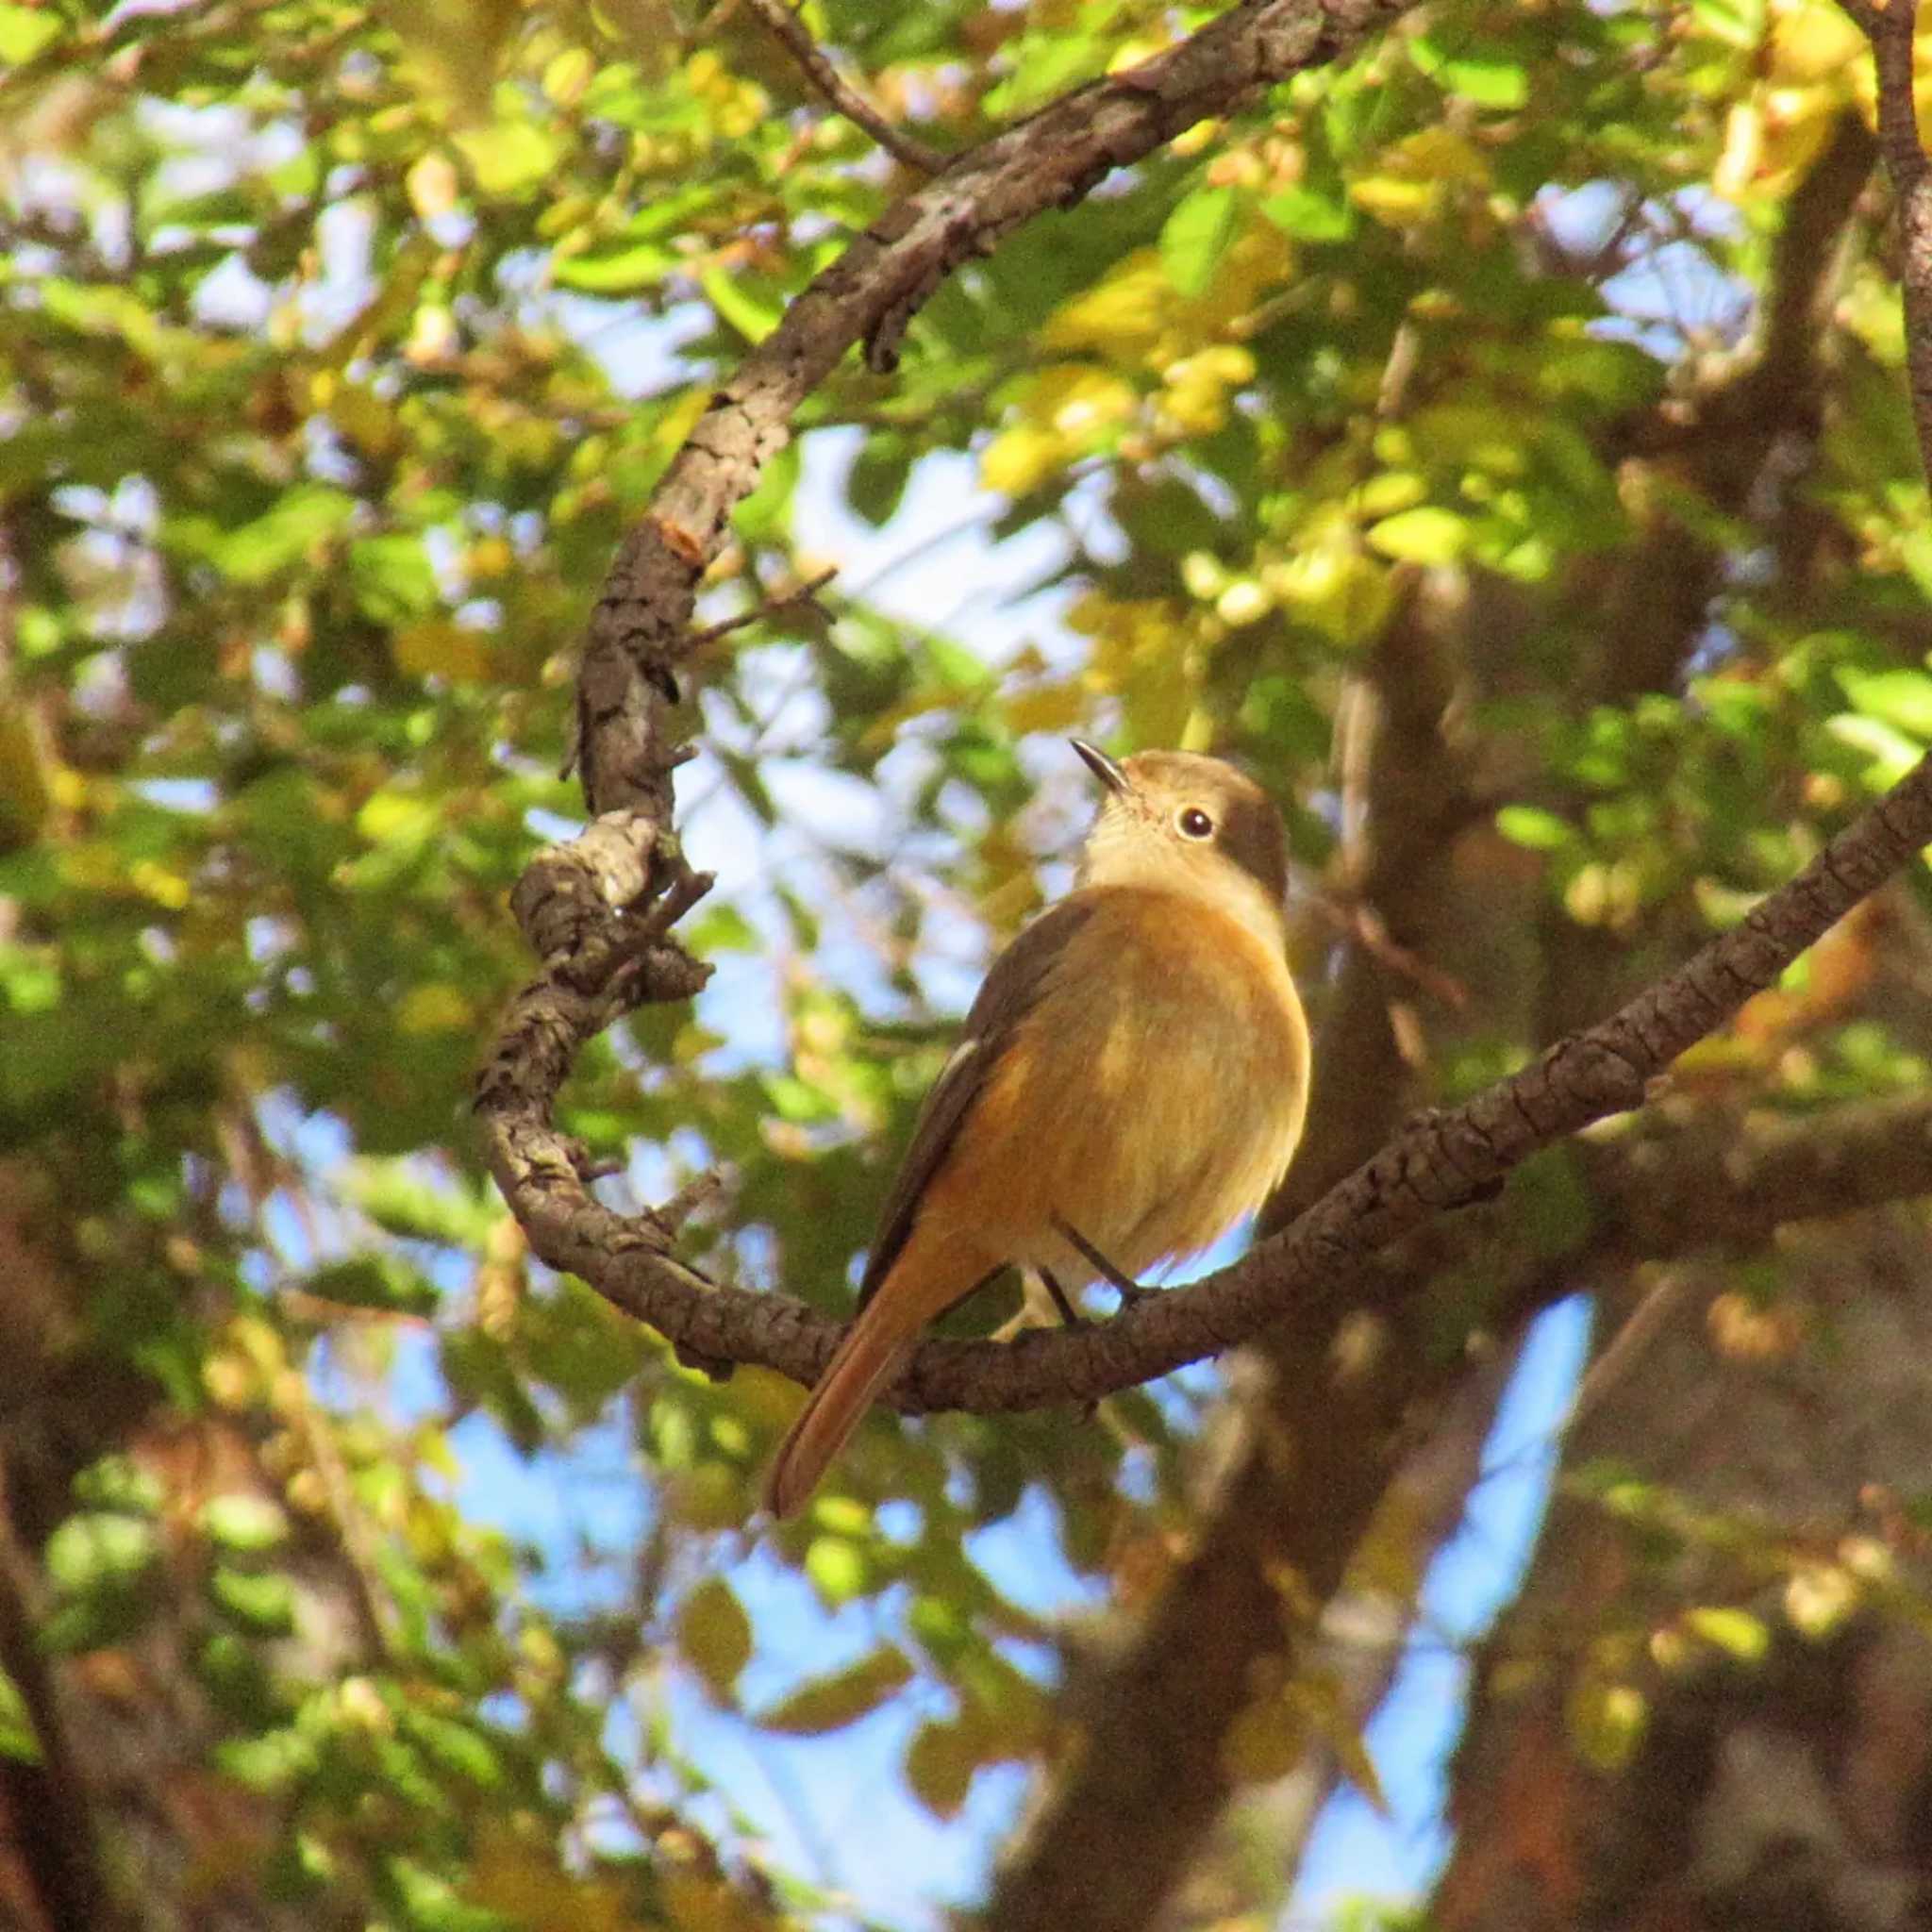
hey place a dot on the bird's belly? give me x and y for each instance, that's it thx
(1151, 1121)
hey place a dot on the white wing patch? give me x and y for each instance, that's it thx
(956, 1063)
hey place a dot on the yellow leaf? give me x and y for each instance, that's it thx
(1427, 534)
(509, 156)
(1044, 707)
(155, 882)
(1123, 316)
(396, 816)
(437, 1008)
(701, 1901)
(568, 74)
(1607, 1721)
(26, 762)
(1324, 1710)
(1394, 202)
(437, 647)
(526, 1884)
(1735, 1632)
(1392, 490)
(1265, 1741)
(1332, 586)
(1414, 173)
(362, 416)
(1818, 1597)
(1019, 460)
(1813, 41)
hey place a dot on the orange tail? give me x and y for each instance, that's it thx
(874, 1350)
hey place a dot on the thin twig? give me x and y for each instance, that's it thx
(806, 593)
(1357, 920)
(816, 65)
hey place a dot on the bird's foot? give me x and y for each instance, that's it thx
(1127, 1289)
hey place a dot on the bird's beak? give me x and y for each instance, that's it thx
(1104, 768)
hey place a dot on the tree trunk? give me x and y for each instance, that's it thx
(1712, 1707)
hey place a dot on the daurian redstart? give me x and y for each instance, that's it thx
(1131, 1081)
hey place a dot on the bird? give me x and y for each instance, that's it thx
(1130, 1081)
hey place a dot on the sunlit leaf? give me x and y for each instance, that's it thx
(1196, 236)
(1423, 535)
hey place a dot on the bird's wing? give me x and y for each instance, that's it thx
(1008, 995)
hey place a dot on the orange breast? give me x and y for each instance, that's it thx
(1152, 1096)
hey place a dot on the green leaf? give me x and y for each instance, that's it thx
(393, 577)
(373, 1281)
(1428, 535)
(263, 1604)
(831, 1702)
(615, 272)
(101, 1550)
(957, 666)
(1196, 234)
(1531, 826)
(721, 928)
(274, 1761)
(403, 1199)
(1489, 82)
(245, 1523)
(18, 1738)
(430, 1904)
(1901, 699)
(875, 484)
(1309, 216)
(454, 1747)
(251, 553)
(753, 316)
(1892, 753)
(118, 1482)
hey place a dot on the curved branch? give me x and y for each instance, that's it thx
(588, 909)
(1438, 1162)
(597, 911)
(871, 294)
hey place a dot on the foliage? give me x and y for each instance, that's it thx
(338, 343)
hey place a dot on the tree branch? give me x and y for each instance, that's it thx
(1693, 1177)
(816, 65)
(1438, 1162)
(586, 908)
(578, 903)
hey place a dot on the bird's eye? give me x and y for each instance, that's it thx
(1195, 823)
